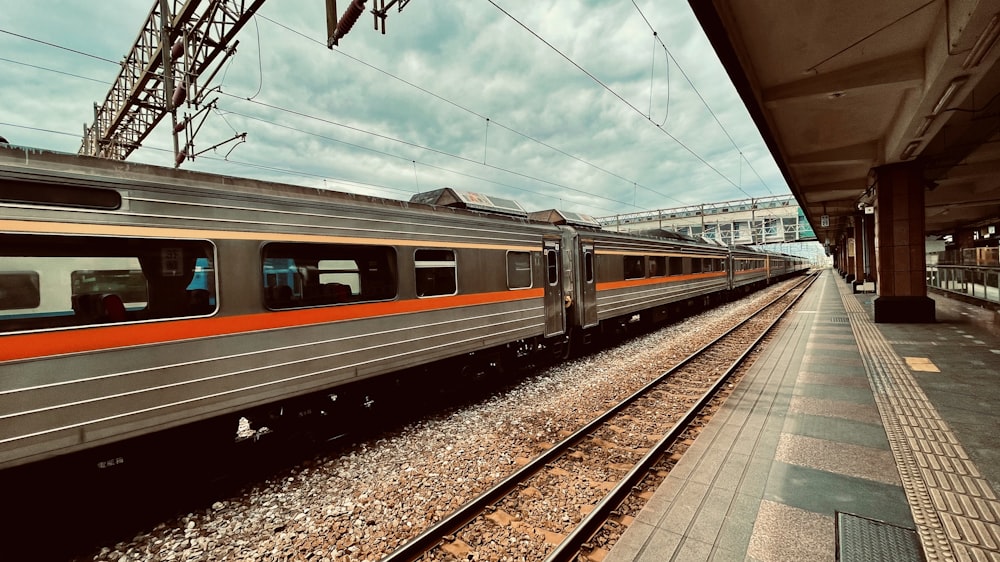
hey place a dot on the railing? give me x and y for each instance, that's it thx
(980, 282)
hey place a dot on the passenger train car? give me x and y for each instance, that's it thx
(136, 300)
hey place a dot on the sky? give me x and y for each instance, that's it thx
(573, 105)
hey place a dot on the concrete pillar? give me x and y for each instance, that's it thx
(899, 245)
(864, 240)
(871, 271)
(845, 262)
(851, 254)
(963, 238)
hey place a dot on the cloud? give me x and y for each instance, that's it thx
(390, 115)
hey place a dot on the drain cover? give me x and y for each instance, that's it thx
(860, 539)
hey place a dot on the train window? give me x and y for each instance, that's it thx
(695, 265)
(552, 266)
(676, 266)
(518, 270)
(657, 266)
(708, 265)
(299, 275)
(83, 280)
(33, 193)
(436, 271)
(633, 267)
(19, 289)
(588, 265)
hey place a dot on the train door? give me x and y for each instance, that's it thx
(730, 271)
(555, 307)
(588, 285)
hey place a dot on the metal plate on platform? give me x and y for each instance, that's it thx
(860, 539)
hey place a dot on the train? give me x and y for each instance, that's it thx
(137, 300)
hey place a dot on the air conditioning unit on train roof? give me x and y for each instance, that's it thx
(448, 197)
(555, 216)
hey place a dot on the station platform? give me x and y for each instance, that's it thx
(846, 440)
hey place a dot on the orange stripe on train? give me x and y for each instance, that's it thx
(94, 338)
(658, 280)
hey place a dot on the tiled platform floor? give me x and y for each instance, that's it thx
(897, 423)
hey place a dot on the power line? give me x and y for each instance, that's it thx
(35, 66)
(498, 168)
(471, 111)
(413, 145)
(670, 57)
(463, 108)
(258, 166)
(60, 47)
(617, 95)
(411, 84)
(54, 132)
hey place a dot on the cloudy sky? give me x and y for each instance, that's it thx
(556, 104)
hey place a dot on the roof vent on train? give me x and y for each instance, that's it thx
(449, 197)
(555, 216)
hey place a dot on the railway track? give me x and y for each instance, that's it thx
(575, 496)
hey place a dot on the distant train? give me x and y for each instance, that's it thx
(136, 299)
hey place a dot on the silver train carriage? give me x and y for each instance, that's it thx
(135, 299)
(621, 276)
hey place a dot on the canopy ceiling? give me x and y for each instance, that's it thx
(839, 88)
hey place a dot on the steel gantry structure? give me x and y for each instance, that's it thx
(179, 50)
(173, 55)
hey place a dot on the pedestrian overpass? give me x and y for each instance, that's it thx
(776, 219)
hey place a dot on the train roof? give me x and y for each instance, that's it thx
(25, 169)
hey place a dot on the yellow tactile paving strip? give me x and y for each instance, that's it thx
(956, 511)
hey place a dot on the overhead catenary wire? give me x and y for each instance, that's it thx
(360, 130)
(413, 145)
(670, 57)
(56, 46)
(620, 98)
(422, 89)
(475, 113)
(507, 128)
(35, 66)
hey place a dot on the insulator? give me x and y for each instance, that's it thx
(180, 94)
(350, 17)
(180, 157)
(180, 126)
(177, 50)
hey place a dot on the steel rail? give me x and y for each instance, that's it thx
(433, 535)
(568, 549)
